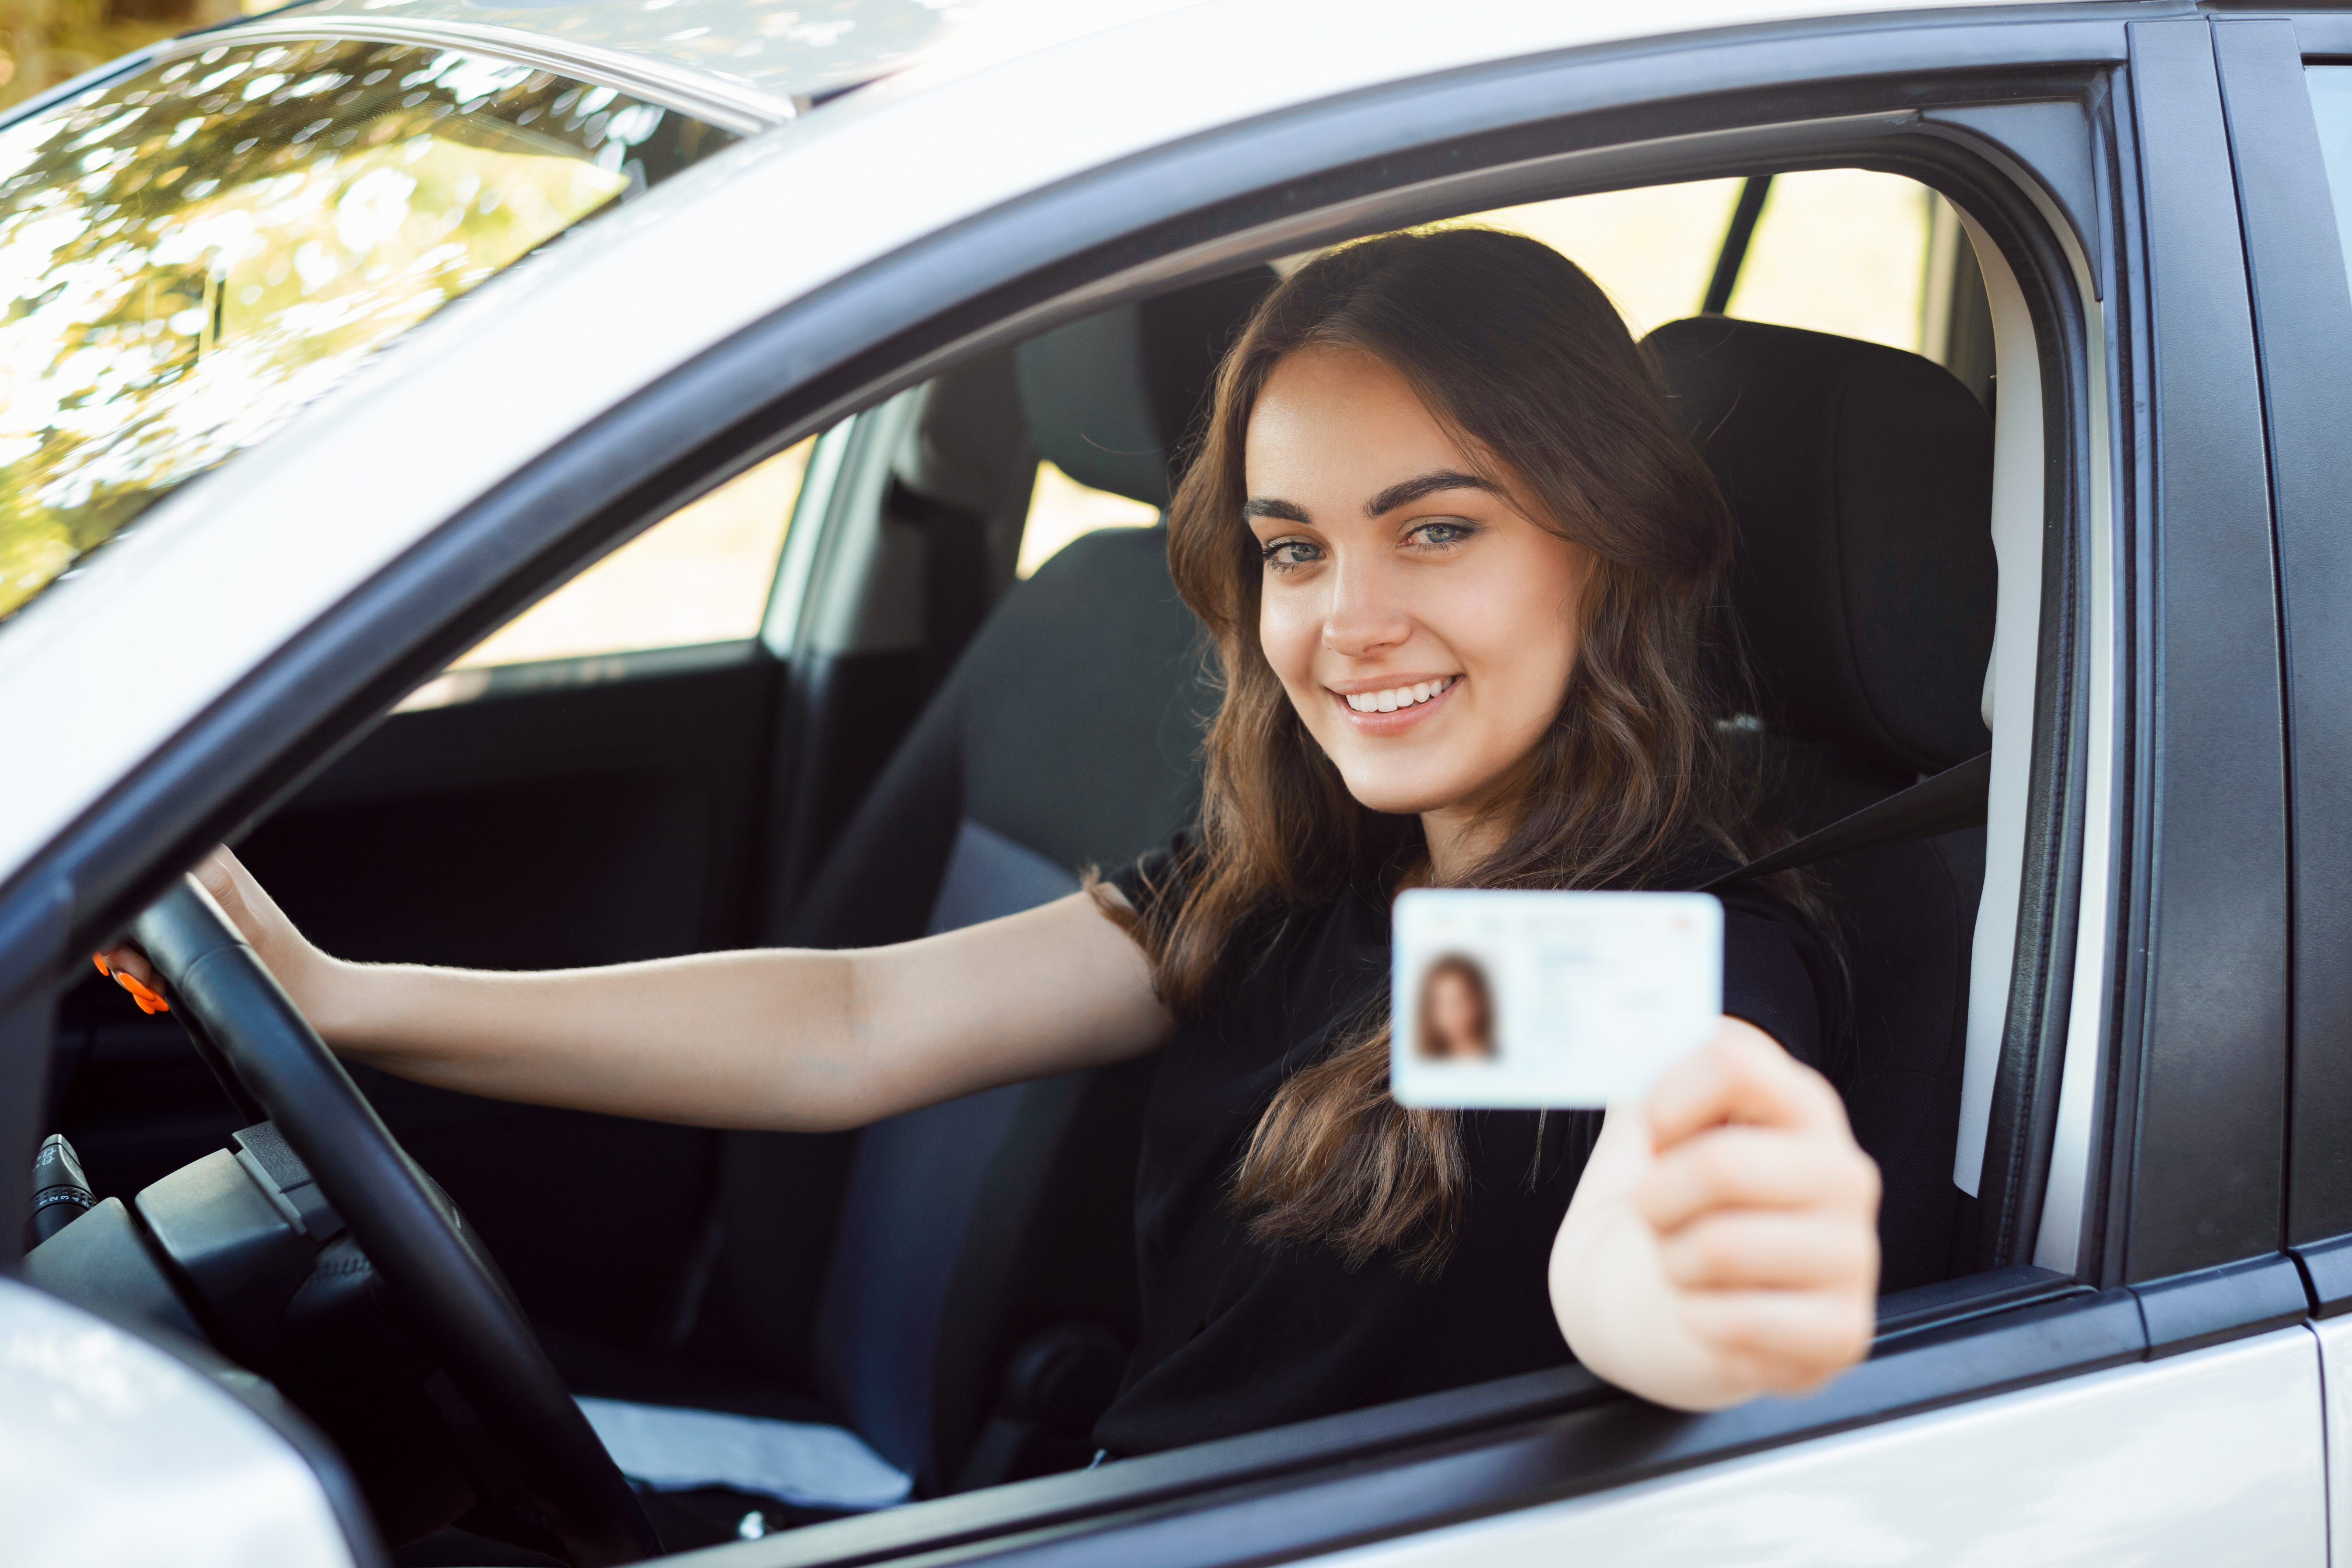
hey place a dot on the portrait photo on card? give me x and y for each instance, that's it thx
(1548, 1000)
(1457, 1011)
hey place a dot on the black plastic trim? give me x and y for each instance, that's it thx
(2210, 1132)
(33, 932)
(2303, 311)
(2326, 1274)
(2057, 144)
(2190, 1312)
(2022, 1133)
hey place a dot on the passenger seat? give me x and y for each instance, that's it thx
(1861, 480)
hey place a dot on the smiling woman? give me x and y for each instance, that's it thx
(191, 253)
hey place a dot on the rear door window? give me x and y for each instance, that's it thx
(1846, 251)
(190, 253)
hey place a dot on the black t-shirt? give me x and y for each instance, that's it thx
(1238, 1335)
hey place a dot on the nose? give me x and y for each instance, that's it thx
(1365, 618)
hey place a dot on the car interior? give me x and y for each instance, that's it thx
(922, 737)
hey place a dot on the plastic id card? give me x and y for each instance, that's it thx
(1535, 1000)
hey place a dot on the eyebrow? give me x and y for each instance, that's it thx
(1404, 492)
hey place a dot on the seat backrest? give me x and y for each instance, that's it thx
(1861, 480)
(1068, 735)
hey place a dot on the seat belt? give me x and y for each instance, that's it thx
(1953, 799)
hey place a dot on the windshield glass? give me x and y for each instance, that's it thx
(191, 253)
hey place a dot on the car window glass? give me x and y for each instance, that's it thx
(192, 252)
(1061, 509)
(2331, 105)
(1834, 250)
(702, 575)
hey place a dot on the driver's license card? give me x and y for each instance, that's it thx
(1539, 1000)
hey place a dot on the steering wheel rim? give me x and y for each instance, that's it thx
(456, 1304)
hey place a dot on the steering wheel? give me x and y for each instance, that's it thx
(455, 1305)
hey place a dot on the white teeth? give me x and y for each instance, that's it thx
(1389, 701)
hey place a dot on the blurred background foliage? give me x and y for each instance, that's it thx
(45, 42)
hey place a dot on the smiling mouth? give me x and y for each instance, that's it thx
(1399, 697)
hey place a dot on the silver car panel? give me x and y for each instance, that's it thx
(115, 1454)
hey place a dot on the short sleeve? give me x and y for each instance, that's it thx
(1769, 982)
(1154, 885)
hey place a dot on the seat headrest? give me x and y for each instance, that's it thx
(1861, 480)
(1111, 399)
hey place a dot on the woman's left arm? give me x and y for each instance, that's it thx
(1723, 1242)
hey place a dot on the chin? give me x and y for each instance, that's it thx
(1384, 792)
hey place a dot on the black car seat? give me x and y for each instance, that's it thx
(978, 1299)
(1861, 479)
(979, 1287)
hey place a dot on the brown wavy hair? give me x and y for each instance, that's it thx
(1526, 361)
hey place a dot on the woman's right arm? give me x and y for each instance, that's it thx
(784, 1039)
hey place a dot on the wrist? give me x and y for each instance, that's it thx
(315, 981)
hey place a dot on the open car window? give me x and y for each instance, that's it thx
(190, 253)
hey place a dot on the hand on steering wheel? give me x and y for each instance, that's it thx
(455, 1305)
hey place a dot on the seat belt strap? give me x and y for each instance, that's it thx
(1951, 800)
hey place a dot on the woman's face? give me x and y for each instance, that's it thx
(1422, 623)
(1457, 1016)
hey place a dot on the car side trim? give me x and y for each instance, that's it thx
(2200, 1136)
(2303, 314)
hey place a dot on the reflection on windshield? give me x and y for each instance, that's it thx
(191, 254)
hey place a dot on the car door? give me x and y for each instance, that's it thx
(2132, 1101)
(2133, 1373)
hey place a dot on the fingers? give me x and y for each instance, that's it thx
(1760, 1249)
(1784, 1342)
(1757, 1168)
(243, 899)
(128, 968)
(222, 876)
(1765, 1212)
(1741, 1075)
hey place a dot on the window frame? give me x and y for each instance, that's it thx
(1934, 94)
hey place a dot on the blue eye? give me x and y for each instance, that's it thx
(1288, 553)
(1443, 534)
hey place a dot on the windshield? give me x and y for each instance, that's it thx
(191, 253)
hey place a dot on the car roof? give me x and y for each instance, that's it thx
(772, 59)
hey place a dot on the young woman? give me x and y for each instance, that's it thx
(1458, 563)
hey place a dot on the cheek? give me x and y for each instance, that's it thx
(1289, 630)
(1517, 626)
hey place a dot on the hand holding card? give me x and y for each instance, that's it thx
(1548, 1000)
